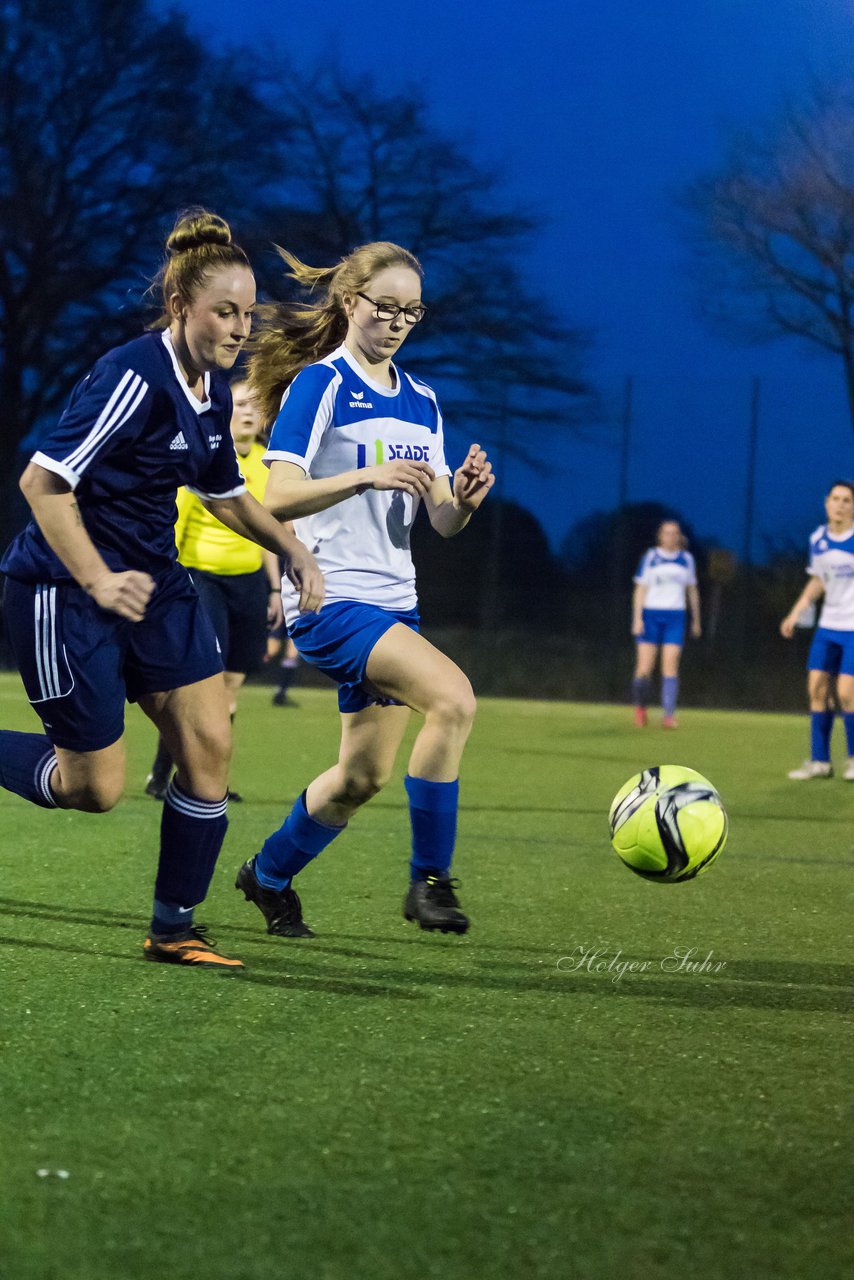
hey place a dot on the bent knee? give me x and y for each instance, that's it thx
(209, 751)
(455, 707)
(94, 797)
(361, 786)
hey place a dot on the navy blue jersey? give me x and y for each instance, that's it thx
(131, 435)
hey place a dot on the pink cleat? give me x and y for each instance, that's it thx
(640, 717)
(669, 722)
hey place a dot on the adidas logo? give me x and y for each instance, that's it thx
(179, 442)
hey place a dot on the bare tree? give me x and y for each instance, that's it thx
(774, 230)
(111, 118)
(364, 164)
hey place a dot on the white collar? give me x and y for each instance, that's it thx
(200, 406)
(364, 376)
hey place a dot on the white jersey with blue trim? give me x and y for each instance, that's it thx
(667, 575)
(335, 418)
(832, 562)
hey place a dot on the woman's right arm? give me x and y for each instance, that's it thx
(57, 514)
(638, 598)
(290, 493)
(811, 594)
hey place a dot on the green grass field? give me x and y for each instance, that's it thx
(383, 1104)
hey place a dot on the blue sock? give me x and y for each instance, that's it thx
(191, 836)
(27, 761)
(433, 813)
(848, 721)
(669, 694)
(299, 839)
(640, 691)
(821, 726)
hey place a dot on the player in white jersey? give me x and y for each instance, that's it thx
(356, 446)
(831, 656)
(666, 579)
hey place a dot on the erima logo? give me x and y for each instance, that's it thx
(179, 442)
(358, 401)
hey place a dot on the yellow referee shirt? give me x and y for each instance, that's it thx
(204, 543)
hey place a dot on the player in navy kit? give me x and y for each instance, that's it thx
(356, 446)
(831, 656)
(666, 579)
(97, 608)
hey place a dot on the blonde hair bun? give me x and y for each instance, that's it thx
(197, 227)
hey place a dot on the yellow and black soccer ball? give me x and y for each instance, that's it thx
(668, 823)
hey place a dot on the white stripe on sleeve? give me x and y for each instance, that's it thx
(121, 405)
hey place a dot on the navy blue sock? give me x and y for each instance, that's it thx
(287, 673)
(299, 839)
(821, 726)
(433, 814)
(27, 761)
(640, 691)
(848, 721)
(191, 836)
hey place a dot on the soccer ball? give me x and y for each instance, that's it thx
(668, 823)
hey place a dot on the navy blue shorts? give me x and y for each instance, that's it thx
(237, 606)
(339, 640)
(663, 626)
(832, 651)
(80, 662)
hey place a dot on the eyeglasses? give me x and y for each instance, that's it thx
(389, 311)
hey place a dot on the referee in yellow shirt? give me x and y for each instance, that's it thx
(238, 582)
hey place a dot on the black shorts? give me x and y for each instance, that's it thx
(80, 662)
(237, 606)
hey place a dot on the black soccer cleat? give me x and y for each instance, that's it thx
(433, 903)
(281, 908)
(157, 784)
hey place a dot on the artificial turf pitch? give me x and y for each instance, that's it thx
(383, 1104)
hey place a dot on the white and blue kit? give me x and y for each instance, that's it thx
(334, 419)
(667, 575)
(131, 435)
(831, 560)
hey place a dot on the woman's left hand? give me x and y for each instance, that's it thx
(473, 480)
(275, 612)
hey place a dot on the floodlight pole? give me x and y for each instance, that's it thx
(618, 620)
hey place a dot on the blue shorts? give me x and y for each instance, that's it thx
(832, 651)
(80, 662)
(339, 640)
(663, 626)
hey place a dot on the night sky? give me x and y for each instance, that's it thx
(596, 112)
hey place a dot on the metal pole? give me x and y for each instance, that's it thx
(750, 495)
(625, 443)
(618, 621)
(746, 575)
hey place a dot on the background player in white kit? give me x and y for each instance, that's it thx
(356, 445)
(665, 579)
(831, 656)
